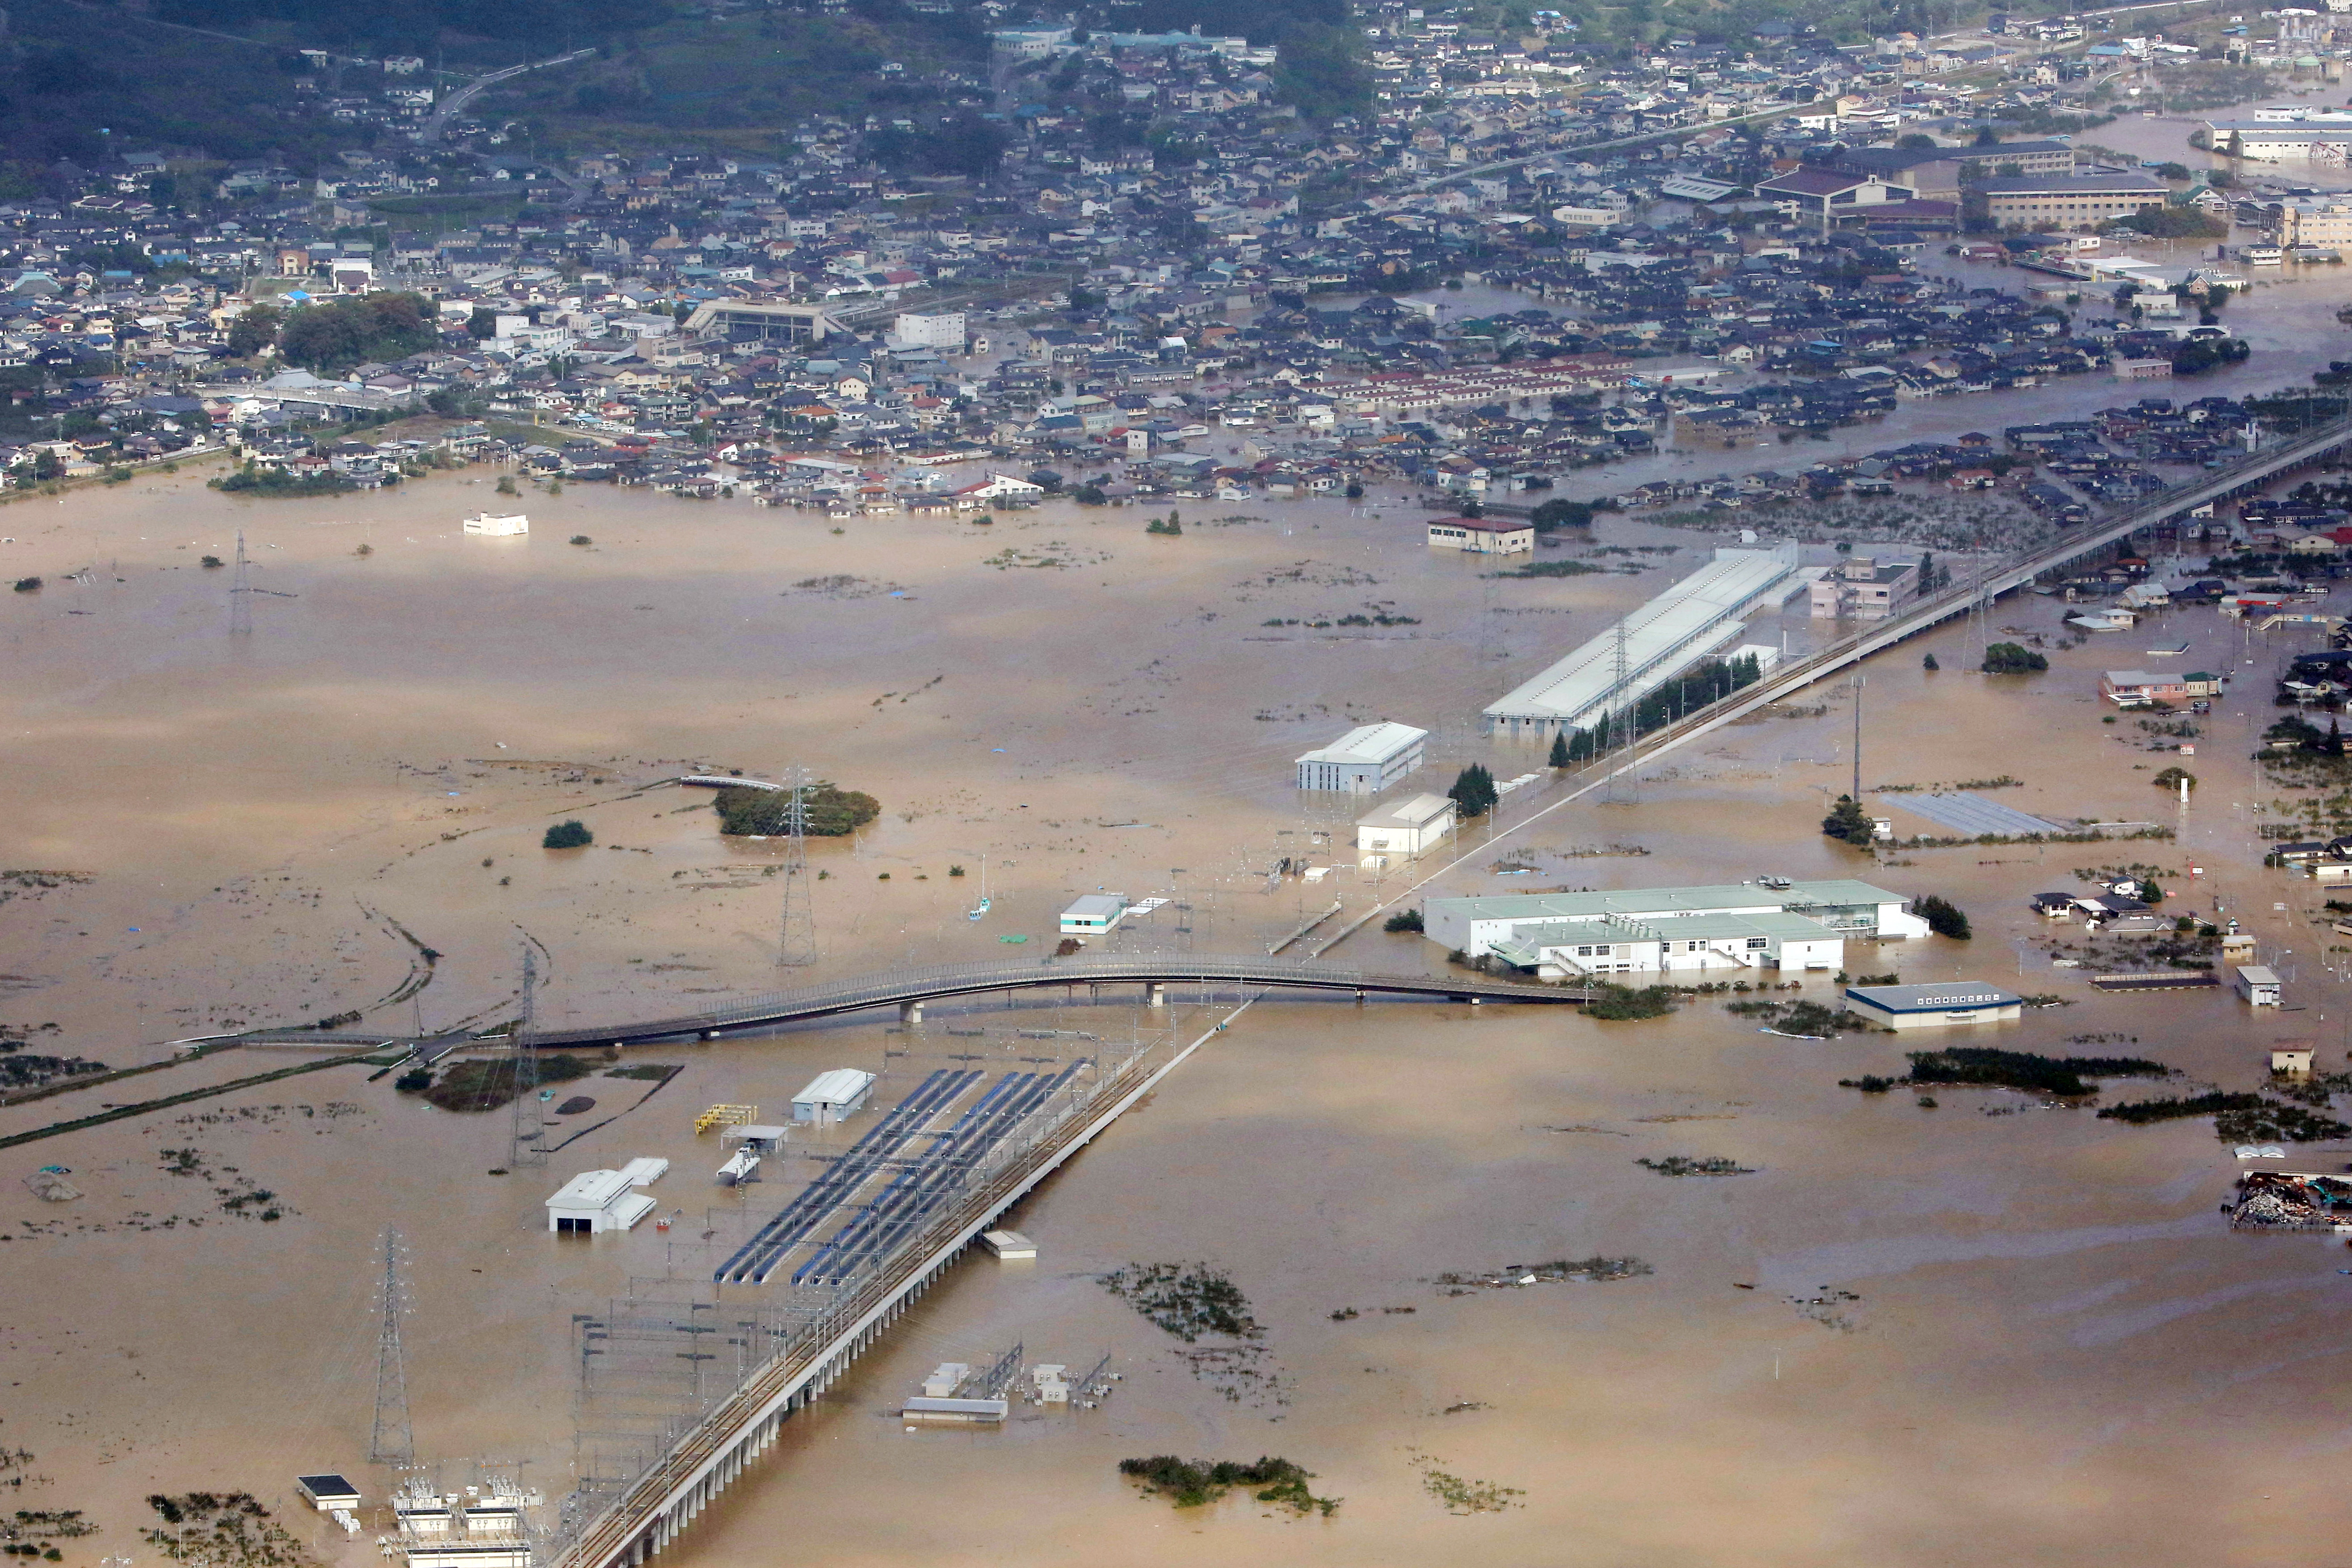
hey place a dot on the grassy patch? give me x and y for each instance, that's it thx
(487, 1083)
(1682, 1165)
(1190, 1483)
(1187, 1300)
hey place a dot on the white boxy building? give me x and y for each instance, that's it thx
(1093, 914)
(498, 527)
(1935, 1006)
(1744, 925)
(597, 1201)
(834, 1096)
(1404, 829)
(1364, 761)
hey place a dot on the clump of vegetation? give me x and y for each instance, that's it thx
(212, 562)
(223, 1529)
(1682, 1165)
(2173, 778)
(650, 1072)
(1467, 1497)
(277, 484)
(570, 834)
(1616, 1003)
(1849, 823)
(1404, 920)
(2012, 659)
(1474, 791)
(2237, 1118)
(28, 585)
(828, 812)
(1992, 1067)
(1944, 917)
(1190, 1483)
(581, 539)
(1169, 526)
(487, 1083)
(1805, 1017)
(415, 1081)
(1597, 1268)
(1187, 1299)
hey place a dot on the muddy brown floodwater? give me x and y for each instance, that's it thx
(1990, 1331)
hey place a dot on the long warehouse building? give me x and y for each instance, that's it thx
(1661, 639)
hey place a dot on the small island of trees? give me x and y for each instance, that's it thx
(832, 812)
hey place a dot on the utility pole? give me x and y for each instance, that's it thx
(240, 595)
(1858, 683)
(796, 944)
(392, 1442)
(529, 1125)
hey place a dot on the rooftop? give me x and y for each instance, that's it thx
(1372, 743)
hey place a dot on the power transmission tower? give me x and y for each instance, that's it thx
(392, 1442)
(240, 594)
(797, 943)
(530, 1120)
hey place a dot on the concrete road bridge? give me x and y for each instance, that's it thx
(909, 989)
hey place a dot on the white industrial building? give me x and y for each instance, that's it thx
(834, 1096)
(498, 527)
(1404, 829)
(1659, 641)
(1935, 1006)
(597, 1201)
(1745, 925)
(1365, 761)
(944, 330)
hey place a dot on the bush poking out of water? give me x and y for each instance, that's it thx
(831, 812)
(1617, 1003)
(2012, 659)
(571, 835)
(415, 1081)
(1944, 917)
(1189, 1483)
(1187, 1299)
(1681, 1166)
(1404, 920)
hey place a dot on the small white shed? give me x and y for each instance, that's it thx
(2259, 985)
(1406, 829)
(597, 1201)
(834, 1096)
(1093, 914)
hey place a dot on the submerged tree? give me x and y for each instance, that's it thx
(1473, 792)
(1849, 822)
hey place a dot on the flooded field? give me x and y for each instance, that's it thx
(1894, 1313)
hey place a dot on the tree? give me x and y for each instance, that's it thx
(1404, 919)
(1090, 494)
(1560, 757)
(1474, 791)
(1555, 514)
(1943, 917)
(1987, 137)
(342, 333)
(2173, 778)
(1848, 822)
(2011, 658)
(254, 331)
(1914, 142)
(570, 834)
(1929, 663)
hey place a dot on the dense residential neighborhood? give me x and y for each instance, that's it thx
(1122, 261)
